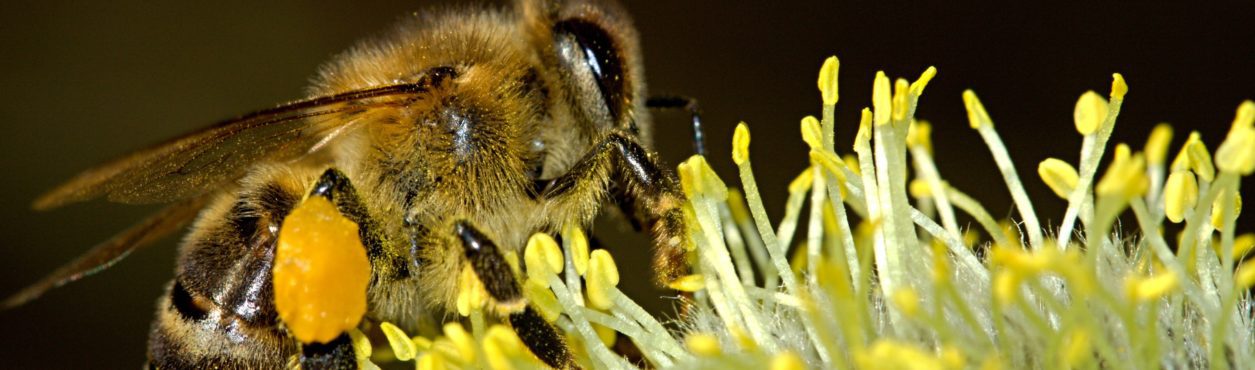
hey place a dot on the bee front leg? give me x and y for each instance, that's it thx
(647, 193)
(492, 269)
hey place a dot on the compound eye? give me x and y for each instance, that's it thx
(592, 58)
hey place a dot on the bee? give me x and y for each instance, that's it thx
(448, 142)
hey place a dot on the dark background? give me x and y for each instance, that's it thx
(80, 83)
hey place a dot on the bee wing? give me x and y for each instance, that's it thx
(113, 250)
(196, 163)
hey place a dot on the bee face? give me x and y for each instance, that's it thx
(446, 142)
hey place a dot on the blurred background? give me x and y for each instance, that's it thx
(82, 83)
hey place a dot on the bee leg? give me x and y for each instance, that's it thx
(337, 188)
(688, 104)
(646, 192)
(493, 270)
(337, 354)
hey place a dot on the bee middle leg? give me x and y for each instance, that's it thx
(492, 269)
(645, 191)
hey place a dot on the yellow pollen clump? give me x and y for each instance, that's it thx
(1060, 176)
(1180, 194)
(320, 273)
(1090, 112)
(828, 80)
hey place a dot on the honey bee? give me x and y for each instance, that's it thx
(447, 142)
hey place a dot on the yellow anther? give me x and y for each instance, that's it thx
(811, 133)
(907, 301)
(1217, 209)
(917, 87)
(542, 299)
(606, 334)
(1243, 245)
(461, 340)
(952, 357)
(421, 343)
(1126, 177)
(320, 273)
(431, 361)
(863, 137)
(542, 257)
(1245, 277)
(851, 162)
(512, 259)
(1090, 112)
(688, 283)
(976, 114)
(361, 345)
(1060, 176)
(1237, 153)
(882, 99)
(741, 144)
(703, 344)
(402, 346)
(802, 182)
(742, 339)
(830, 163)
(579, 248)
(1245, 116)
(1118, 87)
(603, 276)
(1076, 349)
(1198, 158)
(1006, 287)
(1180, 194)
(900, 86)
(919, 188)
(1151, 288)
(828, 80)
(471, 292)
(1157, 144)
(787, 360)
(889, 354)
(920, 135)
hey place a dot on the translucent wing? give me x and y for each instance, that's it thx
(197, 163)
(113, 250)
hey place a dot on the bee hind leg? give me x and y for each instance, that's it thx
(646, 192)
(492, 269)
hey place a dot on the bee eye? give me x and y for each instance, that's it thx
(592, 58)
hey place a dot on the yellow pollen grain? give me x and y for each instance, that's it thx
(321, 272)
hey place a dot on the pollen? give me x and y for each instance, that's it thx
(321, 272)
